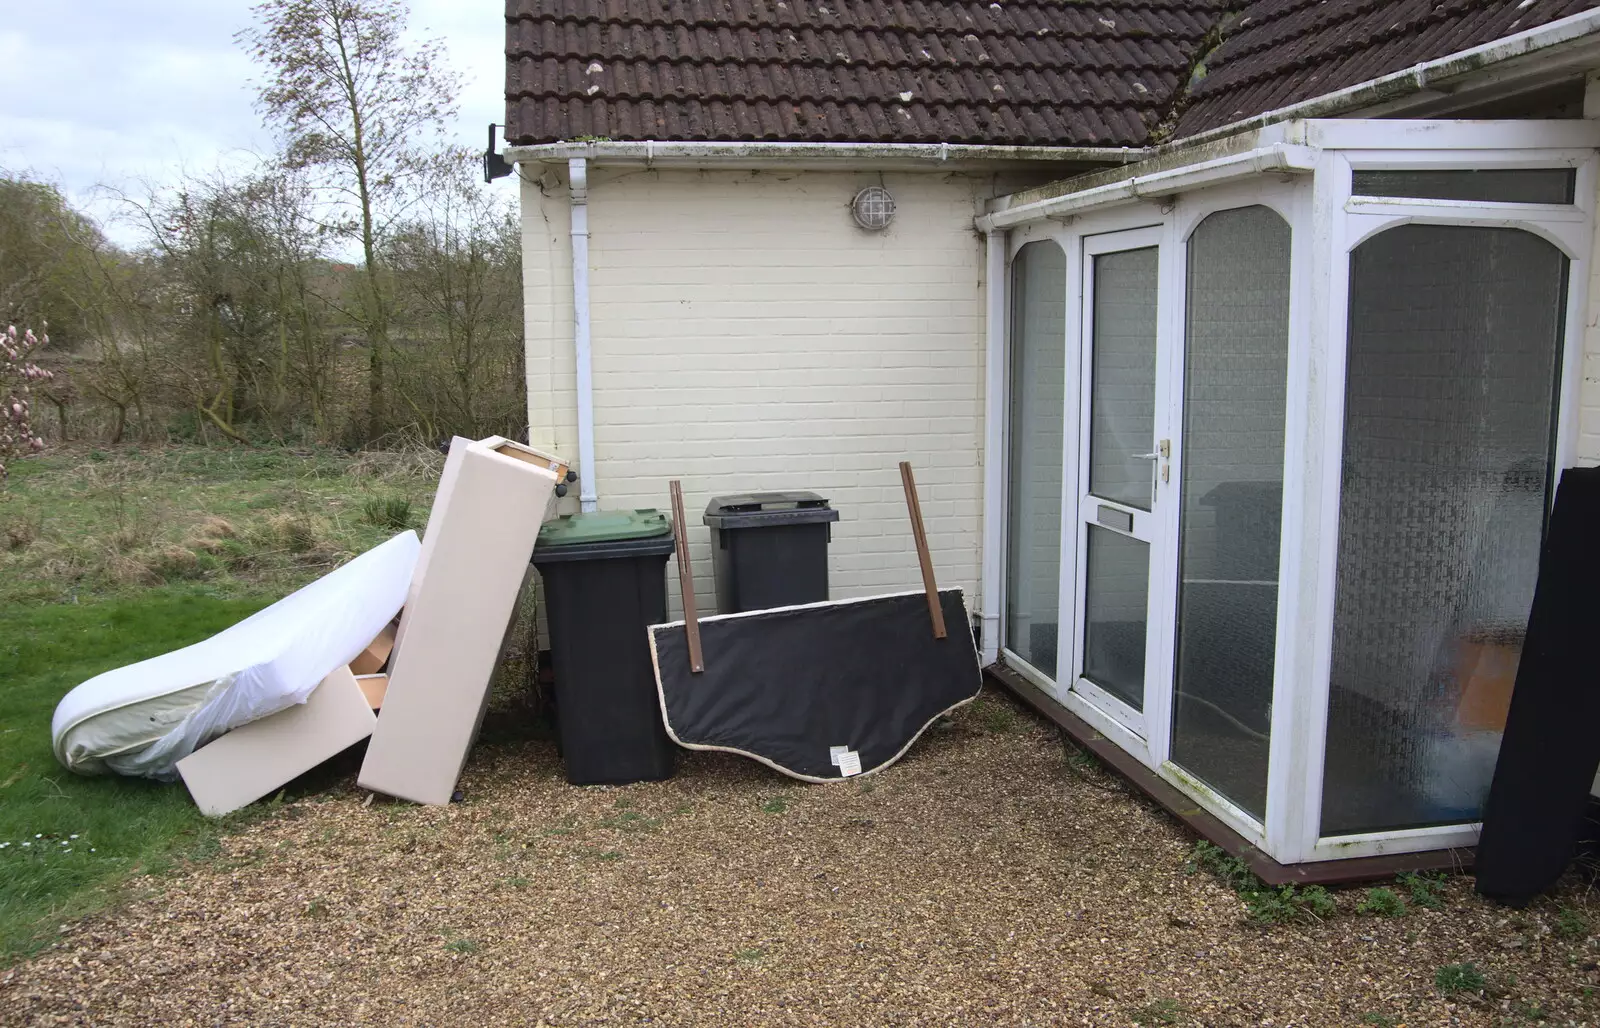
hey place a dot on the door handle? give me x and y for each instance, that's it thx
(1148, 456)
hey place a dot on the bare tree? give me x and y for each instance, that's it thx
(357, 103)
(457, 263)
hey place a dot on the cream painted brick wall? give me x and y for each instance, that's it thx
(748, 336)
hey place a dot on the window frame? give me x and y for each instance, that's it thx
(1327, 221)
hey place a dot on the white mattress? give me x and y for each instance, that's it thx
(142, 719)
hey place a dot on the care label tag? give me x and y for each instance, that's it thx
(835, 752)
(849, 763)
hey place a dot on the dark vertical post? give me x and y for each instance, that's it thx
(691, 619)
(935, 611)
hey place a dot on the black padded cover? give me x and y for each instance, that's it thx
(1552, 740)
(785, 686)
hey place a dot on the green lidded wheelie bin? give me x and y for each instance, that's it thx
(604, 584)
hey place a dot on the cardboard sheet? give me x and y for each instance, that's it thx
(373, 687)
(479, 539)
(371, 660)
(263, 756)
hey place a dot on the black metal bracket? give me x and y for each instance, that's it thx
(494, 165)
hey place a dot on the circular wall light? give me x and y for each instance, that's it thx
(873, 208)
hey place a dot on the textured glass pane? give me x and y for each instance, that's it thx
(1235, 372)
(1454, 349)
(1038, 383)
(1115, 601)
(1123, 396)
(1502, 185)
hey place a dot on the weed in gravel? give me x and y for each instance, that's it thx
(1317, 901)
(1426, 889)
(391, 512)
(1230, 870)
(1528, 1013)
(316, 908)
(1162, 1011)
(1380, 1021)
(996, 718)
(632, 821)
(1382, 903)
(776, 805)
(1571, 924)
(518, 883)
(462, 945)
(1078, 758)
(1264, 904)
(1453, 978)
(753, 953)
(1276, 906)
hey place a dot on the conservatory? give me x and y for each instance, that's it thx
(1282, 418)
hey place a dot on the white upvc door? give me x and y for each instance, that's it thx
(1124, 494)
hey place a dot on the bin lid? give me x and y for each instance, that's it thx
(753, 510)
(604, 533)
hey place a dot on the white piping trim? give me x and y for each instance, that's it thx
(578, 177)
(1410, 80)
(1281, 157)
(661, 695)
(995, 454)
(760, 153)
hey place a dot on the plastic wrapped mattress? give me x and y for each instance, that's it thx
(142, 719)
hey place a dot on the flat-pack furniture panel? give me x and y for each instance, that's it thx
(236, 769)
(1540, 793)
(478, 544)
(430, 533)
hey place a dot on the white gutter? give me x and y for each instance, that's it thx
(652, 151)
(578, 178)
(1410, 80)
(994, 446)
(1279, 157)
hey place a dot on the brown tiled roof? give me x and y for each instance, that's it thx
(1279, 52)
(1026, 72)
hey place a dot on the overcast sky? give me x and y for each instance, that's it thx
(122, 92)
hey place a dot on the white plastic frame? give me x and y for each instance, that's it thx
(1326, 222)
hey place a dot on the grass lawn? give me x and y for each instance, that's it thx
(67, 838)
(110, 557)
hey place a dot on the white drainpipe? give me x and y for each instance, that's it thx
(994, 444)
(578, 178)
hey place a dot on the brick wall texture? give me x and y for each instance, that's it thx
(748, 336)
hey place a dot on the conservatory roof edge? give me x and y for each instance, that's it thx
(1153, 179)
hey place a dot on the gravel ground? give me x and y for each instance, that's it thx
(983, 880)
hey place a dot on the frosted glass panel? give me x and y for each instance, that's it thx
(1038, 384)
(1455, 335)
(1115, 600)
(1494, 185)
(1123, 397)
(1235, 372)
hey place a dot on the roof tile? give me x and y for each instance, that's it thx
(1026, 72)
(1281, 52)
